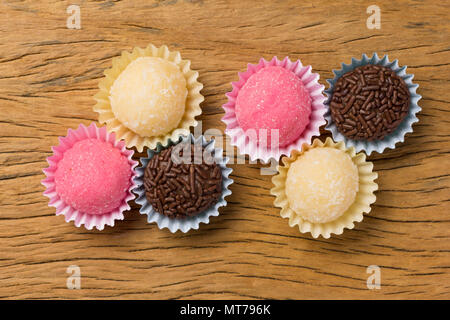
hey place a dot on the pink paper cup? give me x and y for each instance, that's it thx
(85, 218)
(243, 142)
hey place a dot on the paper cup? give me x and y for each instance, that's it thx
(132, 139)
(188, 223)
(364, 197)
(398, 135)
(237, 134)
(85, 218)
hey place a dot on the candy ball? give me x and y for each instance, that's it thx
(322, 184)
(274, 98)
(149, 96)
(93, 177)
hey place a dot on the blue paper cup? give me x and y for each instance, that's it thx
(188, 223)
(398, 135)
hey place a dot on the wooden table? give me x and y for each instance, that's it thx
(49, 74)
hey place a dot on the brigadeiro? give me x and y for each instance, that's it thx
(372, 104)
(274, 107)
(369, 102)
(182, 185)
(184, 189)
(90, 177)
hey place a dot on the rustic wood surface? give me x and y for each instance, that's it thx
(49, 74)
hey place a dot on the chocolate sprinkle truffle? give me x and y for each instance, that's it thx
(369, 102)
(180, 190)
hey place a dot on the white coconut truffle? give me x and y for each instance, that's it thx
(149, 96)
(322, 184)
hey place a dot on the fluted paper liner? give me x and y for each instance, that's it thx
(132, 139)
(84, 218)
(188, 223)
(398, 135)
(310, 81)
(363, 199)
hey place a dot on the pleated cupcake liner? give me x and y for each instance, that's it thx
(188, 223)
(363, 199)
(398, 135)
(71, 214)
(243, 142)
(132, 139)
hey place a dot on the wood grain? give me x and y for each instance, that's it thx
(49, 74)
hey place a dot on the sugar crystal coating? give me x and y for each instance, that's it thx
(322, 184)
(93, 177)
(149, 96)
(274, 98)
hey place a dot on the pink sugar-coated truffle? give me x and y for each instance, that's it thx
(93, 177)
(274, 98)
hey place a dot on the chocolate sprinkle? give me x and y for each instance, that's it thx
(184, 189)
(369, 102)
